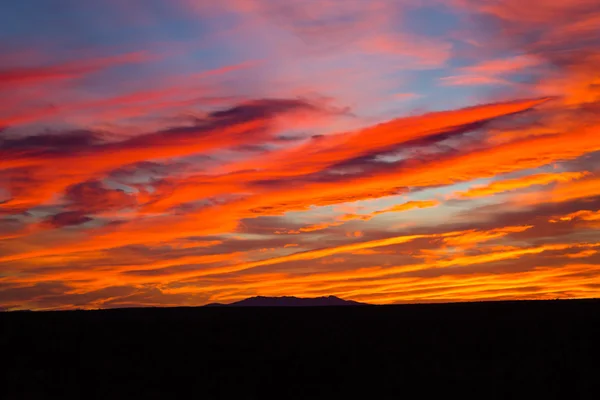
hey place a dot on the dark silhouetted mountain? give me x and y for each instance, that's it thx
(493, 351)
(290, 301)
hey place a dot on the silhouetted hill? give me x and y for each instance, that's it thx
(290, 301)
(493, 351)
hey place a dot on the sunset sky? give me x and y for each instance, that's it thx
(183, 152)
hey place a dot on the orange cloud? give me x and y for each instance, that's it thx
(365, 217)
(539, 283)
(354, 284)
(353, 247)
(576, 190)
(267, 202)
(583, 254)
(472, 238)
(568, 191)
(319, 154)
(309, 255)
(519, 183)
(352, 217)
(97, 160)
(315, 227)
(409, 205)
(584, 215)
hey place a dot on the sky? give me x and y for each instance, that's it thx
(185, 152)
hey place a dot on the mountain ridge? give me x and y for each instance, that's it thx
(290, 301)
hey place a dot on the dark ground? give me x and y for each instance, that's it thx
(534, 350)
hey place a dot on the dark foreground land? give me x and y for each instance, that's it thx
(534, 350)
